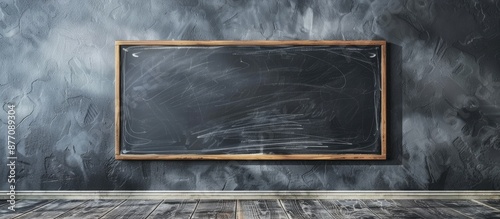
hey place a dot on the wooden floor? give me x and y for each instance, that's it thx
(273, 209)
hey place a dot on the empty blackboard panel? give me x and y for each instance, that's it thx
(295, 100)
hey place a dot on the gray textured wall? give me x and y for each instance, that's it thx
(57, 58)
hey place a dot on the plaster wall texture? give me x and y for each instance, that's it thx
(57, 67)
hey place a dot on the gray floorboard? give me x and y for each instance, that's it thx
(253, 209)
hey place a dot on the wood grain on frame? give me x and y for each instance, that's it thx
(117, 99)
(383, 102)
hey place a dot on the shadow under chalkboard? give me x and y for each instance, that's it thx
(251, 101)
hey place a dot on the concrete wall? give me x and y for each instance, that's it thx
(57, 67)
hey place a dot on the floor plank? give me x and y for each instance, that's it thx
(494, 203)
(348, 209)
(471, 208)
(305, 209)
(243, 209)
(389, 209)
(52, 210)
(133, 209)
(220, 209)
(430, 209)
(22, 207)
(3, 203)
(174, 209)
(262, 209)
(91, 209)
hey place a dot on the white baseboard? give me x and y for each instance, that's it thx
(249, 195)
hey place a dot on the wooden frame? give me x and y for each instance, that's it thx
(383, 99)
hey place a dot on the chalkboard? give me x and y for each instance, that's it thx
(250, 100)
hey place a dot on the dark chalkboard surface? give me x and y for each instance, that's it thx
(250, 100)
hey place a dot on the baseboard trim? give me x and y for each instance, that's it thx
(249, 195)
